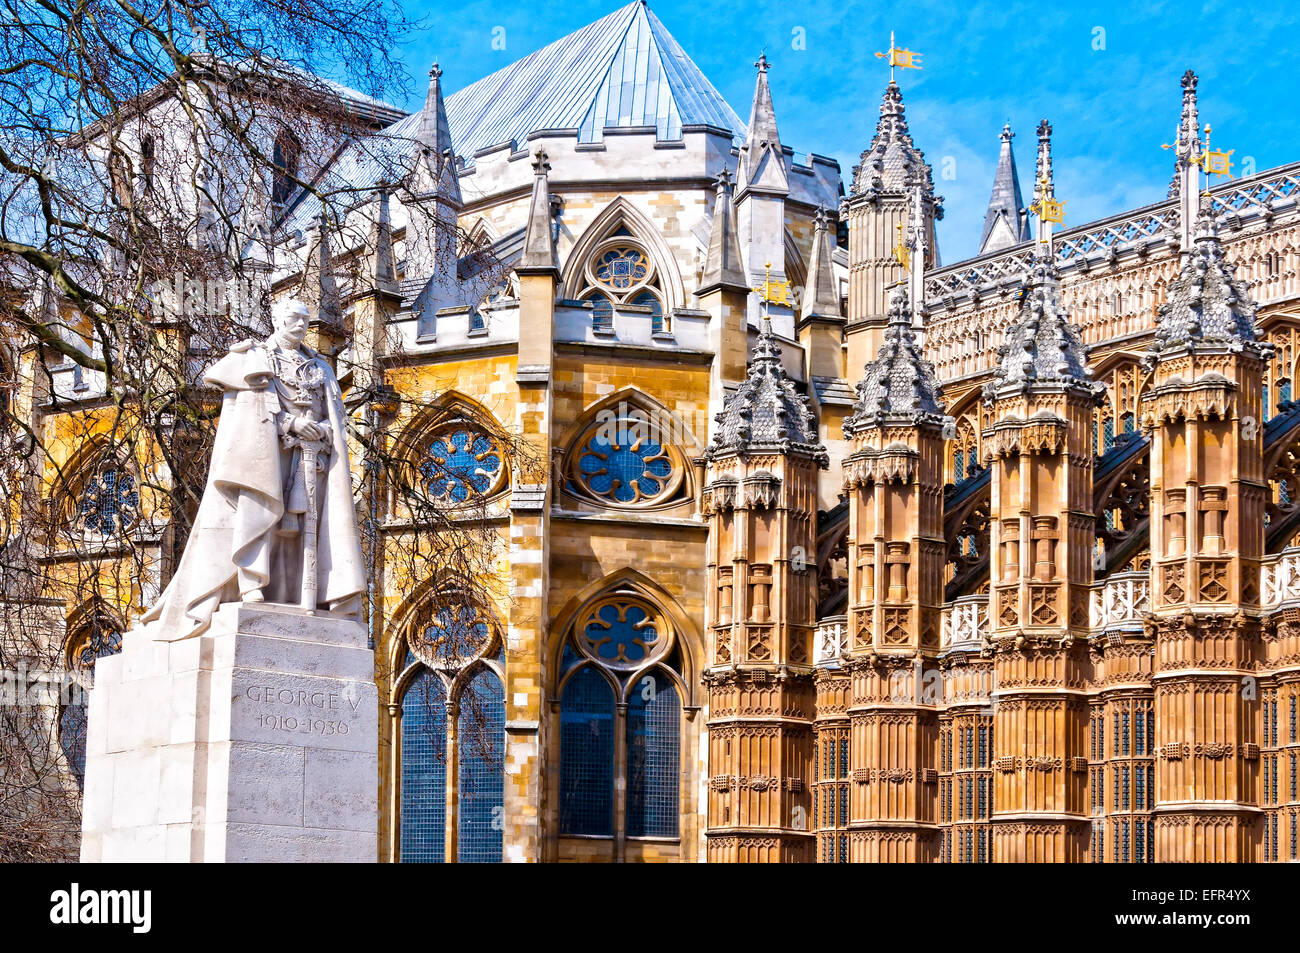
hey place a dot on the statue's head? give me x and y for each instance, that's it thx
(289, 317)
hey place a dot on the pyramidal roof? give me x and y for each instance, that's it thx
(1042, 347)
(1206, 304)
(899, 386)
(623, 70)
(766, 413)
(1003, 224)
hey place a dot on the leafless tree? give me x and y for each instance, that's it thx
(148, 154)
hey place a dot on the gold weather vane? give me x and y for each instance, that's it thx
(773, 292)
(1047, 208)
(899, 58)
(901, 251)
(1213, 161)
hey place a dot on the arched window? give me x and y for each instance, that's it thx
(654, 714)
(424, 770)
(965, 459)
(587, 754)
(480, 732)
(620, 274)
(454, 459)
(462, 461)
(94, 635)
(452, 671)
(100, 496)
(286, 156)
(621, 639)
(147, 161)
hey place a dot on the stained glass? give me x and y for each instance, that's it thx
(622, 268)
(424, 771)
(587, 755)
(72, 739)
(653, 758)
(109, 502)
(456, 634)
(621, 632)
(481, 789)
(459, 464)
(625, 466)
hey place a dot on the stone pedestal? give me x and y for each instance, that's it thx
(256, 741)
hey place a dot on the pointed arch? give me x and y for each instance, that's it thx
(688, 636)
(620, 213)
(456, 450)
(627, 450)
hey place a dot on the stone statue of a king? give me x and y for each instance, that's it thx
(276, 522)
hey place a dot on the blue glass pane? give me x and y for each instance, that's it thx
(481, 733)
(621, 633)
(653, 757)
(109, 502)
(1283, 391)
(424, 771)
(72, 739)
(456, 633)
(460, 464)
(647, 300)
(630, 468)
(587, 755)
(602, 313)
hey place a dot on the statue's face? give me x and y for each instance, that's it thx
(290, 320)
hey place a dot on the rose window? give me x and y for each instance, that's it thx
(109, 502)
(455, 635)
(461, 463)
(622, 632)
(622, 268)
(622, 462)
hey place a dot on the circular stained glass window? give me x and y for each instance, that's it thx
(95, 641)
(623, 462)
(453, 636)
(623, 632)
(461, 463)
(109, 503)
(621, 268)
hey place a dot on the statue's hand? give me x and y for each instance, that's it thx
(306, 429)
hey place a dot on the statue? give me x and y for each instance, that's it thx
(276, 523)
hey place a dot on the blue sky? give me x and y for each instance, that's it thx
(985, 63)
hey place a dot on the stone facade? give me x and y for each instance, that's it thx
(974, 563)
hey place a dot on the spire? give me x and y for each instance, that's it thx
(1185, 186)
(723, 267)
(318, 291)
(438, 160)
(899, 386)
(767, 413)
(1005, 223)
(1206, 304)
(918, 241)
(892, 158)
(762, 162)
(1042, 346)
(1188, 134)
(822, 297)
(1044, 188)
(539, 242)
(380, 271)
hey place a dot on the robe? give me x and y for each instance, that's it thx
(243, 502)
